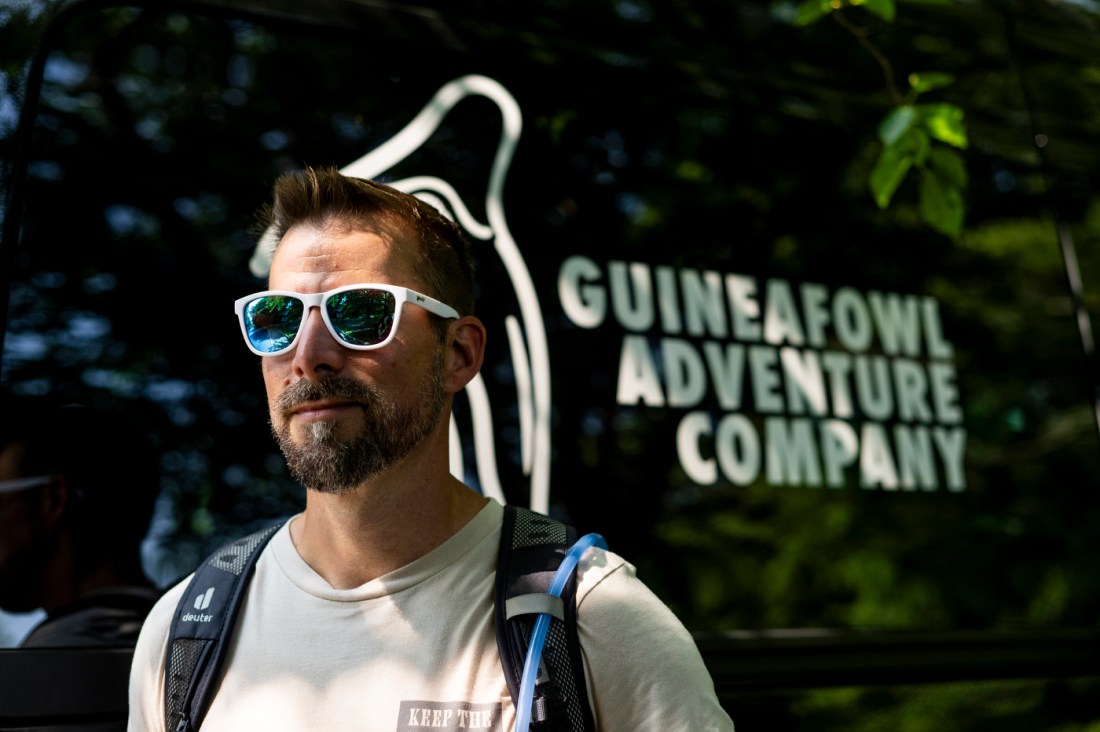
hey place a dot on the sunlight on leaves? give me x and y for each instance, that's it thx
(945, 123)
(896, 123)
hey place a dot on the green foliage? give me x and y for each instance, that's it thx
(929, 80)
(913, 135)
(1005, 705)
(944, 122)
(810, 11)
(895, 160)
(942, 184)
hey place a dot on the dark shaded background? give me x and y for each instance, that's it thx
(708, 135)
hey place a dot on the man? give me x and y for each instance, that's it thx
(375, 602)
(77, 492)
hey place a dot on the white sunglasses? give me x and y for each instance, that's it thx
(363, 316)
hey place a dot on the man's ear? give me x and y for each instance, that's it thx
(465, 353)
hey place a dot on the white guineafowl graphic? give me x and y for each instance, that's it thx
(527, 333)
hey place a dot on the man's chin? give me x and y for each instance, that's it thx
(329, 431)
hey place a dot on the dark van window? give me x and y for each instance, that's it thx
(788, 407)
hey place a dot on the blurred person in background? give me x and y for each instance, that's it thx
(77, 491)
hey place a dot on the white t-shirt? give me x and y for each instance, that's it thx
(416, 649)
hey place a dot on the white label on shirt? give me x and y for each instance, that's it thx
(449, 716)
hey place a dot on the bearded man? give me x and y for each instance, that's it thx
(372, 609)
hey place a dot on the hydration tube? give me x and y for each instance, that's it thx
(542, 625)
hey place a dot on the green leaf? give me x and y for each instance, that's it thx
(919, 145)
(811, 11)
(941, 204)
(923, 81)
(890, 170)
(945, 123)
(948, 165)
(896, 123)
(882, 8)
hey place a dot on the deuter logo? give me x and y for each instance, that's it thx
(201, 603)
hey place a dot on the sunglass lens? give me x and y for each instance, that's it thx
(272, 322)
(362, 317)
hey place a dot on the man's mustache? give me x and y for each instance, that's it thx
(341, 388)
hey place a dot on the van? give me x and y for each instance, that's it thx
(792, 302)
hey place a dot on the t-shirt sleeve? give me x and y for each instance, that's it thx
(147, 669)
(643, 668)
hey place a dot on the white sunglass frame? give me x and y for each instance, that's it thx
(318, 300)
(22, 484)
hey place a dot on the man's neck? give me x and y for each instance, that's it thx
(354, 537)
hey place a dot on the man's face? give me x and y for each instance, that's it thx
(22, 539)
(343, 416)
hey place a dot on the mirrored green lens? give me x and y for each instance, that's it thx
(362, 317)
(272, 322)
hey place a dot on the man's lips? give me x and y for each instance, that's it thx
(320, 410)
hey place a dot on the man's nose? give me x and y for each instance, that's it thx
(317, 351)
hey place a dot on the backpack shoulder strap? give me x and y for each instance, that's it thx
(531, 548)
(199, 636)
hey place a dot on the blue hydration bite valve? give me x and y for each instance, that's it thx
(542, 625)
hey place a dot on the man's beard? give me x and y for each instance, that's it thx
(330, 464)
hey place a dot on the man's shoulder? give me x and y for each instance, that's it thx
(165, 607)
(599, 566)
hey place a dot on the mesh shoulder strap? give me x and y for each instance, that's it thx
(531, 548)
(200, 632)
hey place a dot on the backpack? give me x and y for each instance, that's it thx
(531, 548)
